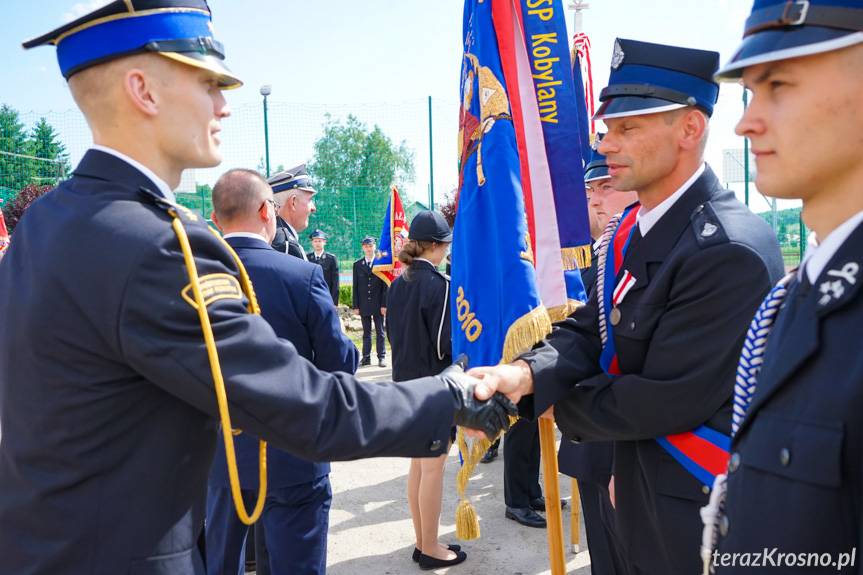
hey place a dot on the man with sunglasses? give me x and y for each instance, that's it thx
(295, 301)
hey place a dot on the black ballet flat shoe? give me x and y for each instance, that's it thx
(428, 563)
(417, 552)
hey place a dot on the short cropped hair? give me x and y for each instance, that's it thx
(238, 194)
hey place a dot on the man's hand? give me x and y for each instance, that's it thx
(488, 416)
(383, 311)
(356, 311)
(514, 380)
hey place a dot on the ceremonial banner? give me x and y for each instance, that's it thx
(518, 144)
(394, 235)
(566, 140)
(496, 306)
(4, 236)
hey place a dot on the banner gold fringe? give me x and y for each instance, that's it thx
(558, 313)
(525, 332)
(521, 336)
(576, 258)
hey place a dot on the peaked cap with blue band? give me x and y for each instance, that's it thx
(778, 30)
(177, 29)
(318, 234)
(290, 179)
(650, 78)
(597, 167)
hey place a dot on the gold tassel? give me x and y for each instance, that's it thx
(521, 335)
(466, 523)
(576, 258)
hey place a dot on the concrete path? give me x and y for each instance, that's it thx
(371, 531)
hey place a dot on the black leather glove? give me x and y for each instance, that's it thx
(491, 416)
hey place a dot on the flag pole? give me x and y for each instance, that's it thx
(553, 513)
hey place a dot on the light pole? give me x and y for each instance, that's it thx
(266, 90)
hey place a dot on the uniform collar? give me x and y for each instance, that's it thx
(819, 254)
(292, 230)
(164, 188)
(647, 219)
(250, 235)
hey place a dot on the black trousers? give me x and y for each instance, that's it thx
(606, 553)
(521, 464)
(379, 335)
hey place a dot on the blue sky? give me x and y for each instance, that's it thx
(345, 51)
(339, 54)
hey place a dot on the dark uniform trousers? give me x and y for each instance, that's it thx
(521, 458)
(118, 417)
(370, 295)
(795, 482)
(295, 520)
(700, 273)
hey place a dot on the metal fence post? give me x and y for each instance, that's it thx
(431, 159)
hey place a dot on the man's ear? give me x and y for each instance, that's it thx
(216, 221)
(693, 128)
(264, 212)
(141, 89)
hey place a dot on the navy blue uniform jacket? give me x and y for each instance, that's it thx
(370, 291)
(795, 482)
(295, 301)
(701, 272)
(330, 265)
(418, 323)
(107, 400)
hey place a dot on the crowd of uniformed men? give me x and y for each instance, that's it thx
(709, 402)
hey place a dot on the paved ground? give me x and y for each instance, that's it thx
(371, 531)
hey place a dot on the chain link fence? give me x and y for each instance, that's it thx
(278, 135)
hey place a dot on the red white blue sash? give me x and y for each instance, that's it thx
(614, 294)
(703, 451)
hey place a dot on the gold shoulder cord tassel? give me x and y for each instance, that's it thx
(217, 372)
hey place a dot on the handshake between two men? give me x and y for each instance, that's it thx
(485, 396)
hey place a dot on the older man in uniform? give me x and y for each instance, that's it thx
(795, 476)
(293, 191)
(327, 261)
(111, 344)
(295, 300)
(649, 362)
(370, 302)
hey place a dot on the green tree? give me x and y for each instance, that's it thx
(262, 168)
(16, 169)
(353, 169)
(44, 144)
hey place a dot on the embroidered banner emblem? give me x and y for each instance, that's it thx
(214, 287)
